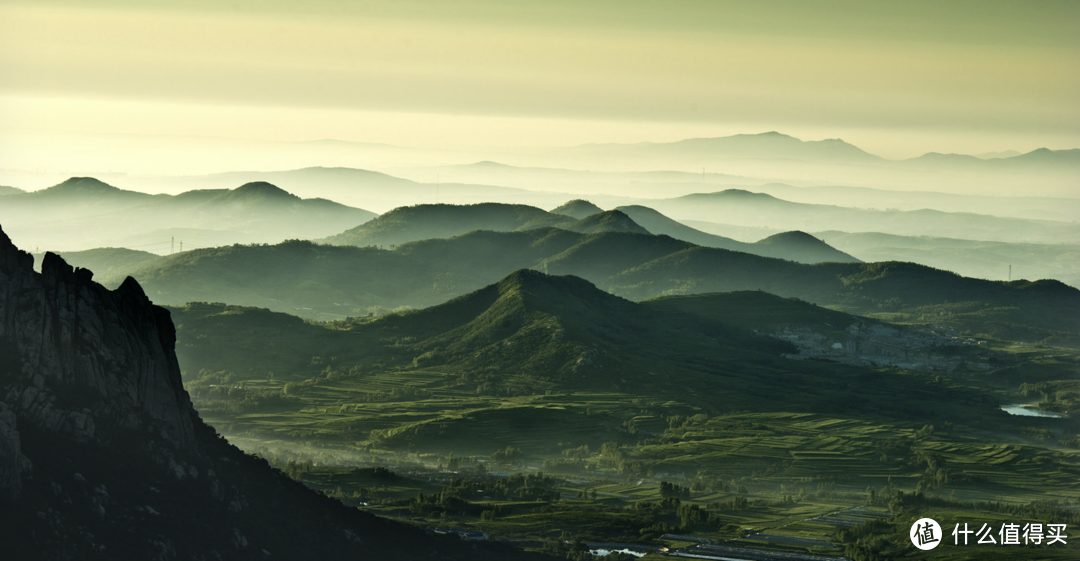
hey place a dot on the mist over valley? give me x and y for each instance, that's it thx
(606, 281)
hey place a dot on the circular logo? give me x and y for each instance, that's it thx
(926, 534)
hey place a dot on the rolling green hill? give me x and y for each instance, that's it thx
(755, 310)
(5, 190)
(532, 331)
(110, 263)
(544, 373)
(607, 221)
(1020, 310)
(577, 208)
(558, 369)
(421, 222)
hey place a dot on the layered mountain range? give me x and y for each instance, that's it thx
(328, 282)
(104, 457)
(422, 222)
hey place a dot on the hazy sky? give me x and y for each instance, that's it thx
(896, 78)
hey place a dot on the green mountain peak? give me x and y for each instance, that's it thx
(577, 208)
(608, 221)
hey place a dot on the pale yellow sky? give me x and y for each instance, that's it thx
(897, 81)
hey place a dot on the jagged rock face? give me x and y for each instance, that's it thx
(74, 355)
(12, 461)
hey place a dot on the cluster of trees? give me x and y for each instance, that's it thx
(567, 466)
(711, 483)
(579, 453)
(327, 374)
(509, 456)
(531, 487)
(609, 455)
(228, 392)
(1072, 441)
(672, 514)
(457, 497)
(1062, 396)
(867, 541)
(668, 490)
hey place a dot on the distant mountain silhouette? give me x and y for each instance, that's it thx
(794, 247)
(82, 186)
(801, 247)
(85, 210)
(1040, 208)
(370, 189)
(764, 146)
(993, 155)
(1069, 159)
(971, 258)
(258, 190)
(781, 147)
(941, 160)
(744, 208)
(5, 190)
(79, 192)
(732, 196)
(768, 145)
(489, 164)
(1041, 159)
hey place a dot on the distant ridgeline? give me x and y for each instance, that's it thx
(327, 282)
(102, 455)
(84, 210)
(423, 222)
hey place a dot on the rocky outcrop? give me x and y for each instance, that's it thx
(77, 355)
